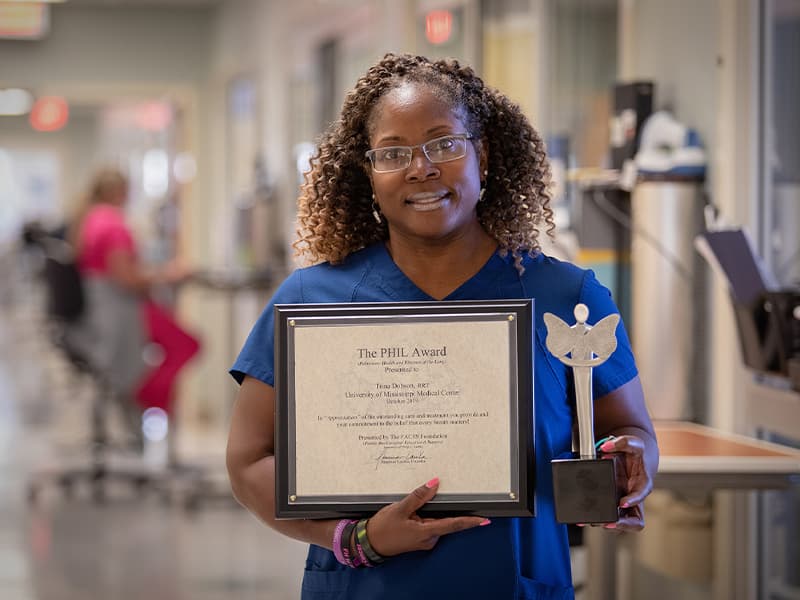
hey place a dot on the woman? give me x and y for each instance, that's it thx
(121, 318)
(432, 186)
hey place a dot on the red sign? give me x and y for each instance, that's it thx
(153, 116)
(49, 113)
(438, 26)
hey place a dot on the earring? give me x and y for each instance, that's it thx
(482, 192)
(376, 210)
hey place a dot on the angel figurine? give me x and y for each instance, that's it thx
(582, 347)
(586, 488)
(586, 345)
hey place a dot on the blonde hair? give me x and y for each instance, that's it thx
(104, 186)
(105, 183)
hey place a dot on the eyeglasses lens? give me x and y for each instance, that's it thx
(439, 150)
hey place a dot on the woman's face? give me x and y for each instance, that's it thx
(425, 201)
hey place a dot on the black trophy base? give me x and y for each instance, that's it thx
(586, 490)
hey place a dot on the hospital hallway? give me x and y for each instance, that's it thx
(671, 172)
(134, 545)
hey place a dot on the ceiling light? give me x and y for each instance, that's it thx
(15, 101)
(24, 20)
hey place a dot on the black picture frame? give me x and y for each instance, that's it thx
(519, 501)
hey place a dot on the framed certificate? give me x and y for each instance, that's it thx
(375, 399)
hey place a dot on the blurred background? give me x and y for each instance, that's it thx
(664, 121)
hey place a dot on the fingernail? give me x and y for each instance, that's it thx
(611, 526)
(608, 446)
(626, 504)
(485, 522)
(581, 524)
(432, 483)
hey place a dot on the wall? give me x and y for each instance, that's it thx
(511, 47)
(73, 147)
(676, 45)
(581, 77)
(95, 44)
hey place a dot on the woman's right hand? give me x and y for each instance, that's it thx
(397, 528)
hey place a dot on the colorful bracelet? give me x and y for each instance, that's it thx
(351, 545)
(337, 540)
(608, 438)
(364, 560)
(351, 558)
(363, 541)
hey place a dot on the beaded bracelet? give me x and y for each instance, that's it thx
(363, 541)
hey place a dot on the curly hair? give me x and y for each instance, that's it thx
(335, 204)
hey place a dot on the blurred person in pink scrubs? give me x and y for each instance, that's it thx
(121, 318)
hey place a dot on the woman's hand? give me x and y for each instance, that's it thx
(397, 528)
(638, 482)
(623, 414)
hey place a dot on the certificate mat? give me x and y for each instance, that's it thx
(375, 399)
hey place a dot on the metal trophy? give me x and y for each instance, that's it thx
(586, 486)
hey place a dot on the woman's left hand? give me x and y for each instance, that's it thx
(639, 483)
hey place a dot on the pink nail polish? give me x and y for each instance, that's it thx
(611, 526)
(626, 504)
(484, 522)
(432, 483)
(607, 447)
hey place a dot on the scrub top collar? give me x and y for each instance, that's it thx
(480, 286)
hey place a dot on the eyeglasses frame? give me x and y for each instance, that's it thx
(369, 154)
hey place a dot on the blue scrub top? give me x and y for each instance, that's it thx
(512, 558)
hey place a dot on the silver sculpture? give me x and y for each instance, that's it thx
(582, 347)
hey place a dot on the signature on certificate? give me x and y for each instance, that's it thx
(397, 455)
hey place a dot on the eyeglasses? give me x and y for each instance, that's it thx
(438, 150)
